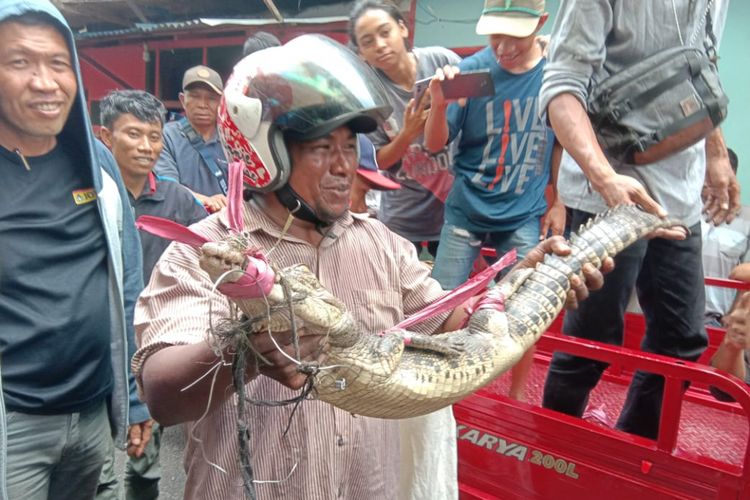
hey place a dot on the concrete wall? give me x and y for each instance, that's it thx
(451, 23)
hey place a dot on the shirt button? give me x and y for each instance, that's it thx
(340, 440)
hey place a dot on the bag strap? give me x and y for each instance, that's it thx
(208, 159)
(704, 20)
(710, 44)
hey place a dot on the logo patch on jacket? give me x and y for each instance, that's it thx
(83, 196)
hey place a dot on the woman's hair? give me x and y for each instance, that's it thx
(363, 6)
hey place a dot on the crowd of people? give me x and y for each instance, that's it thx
(106, 335)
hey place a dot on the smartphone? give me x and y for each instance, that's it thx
(420, 86)
(469, 84)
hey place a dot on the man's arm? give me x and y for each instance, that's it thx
(554, 219)
(729, 357)
(139, 420)
(180, 374)
(436, 131)
(573, 129)
(211, 203)
(183, 382)
(721, 191)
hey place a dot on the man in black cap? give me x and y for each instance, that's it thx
(192, 154)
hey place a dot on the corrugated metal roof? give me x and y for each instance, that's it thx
(206, 22)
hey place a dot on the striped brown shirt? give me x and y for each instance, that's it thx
(327, 452)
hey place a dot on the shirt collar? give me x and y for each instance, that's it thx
(151, 190)
(151, 182)
(257, 220)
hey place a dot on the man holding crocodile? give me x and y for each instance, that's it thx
(327, 452)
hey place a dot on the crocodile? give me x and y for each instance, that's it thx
(400, 374)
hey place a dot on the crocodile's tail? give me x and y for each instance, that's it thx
(609, 233)
(541, 297)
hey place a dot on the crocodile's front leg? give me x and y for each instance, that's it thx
(449, 345)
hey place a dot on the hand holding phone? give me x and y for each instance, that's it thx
(462, 85)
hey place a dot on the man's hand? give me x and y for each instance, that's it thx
(553, 221)
(212, 203)
(620, 189)
(592, 278)
(730, 354)
(138, 437)
(721, 191)
(624, 190)
(437, 99)
(278, 349)
(737, 323)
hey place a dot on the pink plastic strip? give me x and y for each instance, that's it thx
(170, 230)
(461, 294)
(257, 281)
(234, 198)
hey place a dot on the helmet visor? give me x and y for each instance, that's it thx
(313, 85)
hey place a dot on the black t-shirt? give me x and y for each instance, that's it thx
(54, 307)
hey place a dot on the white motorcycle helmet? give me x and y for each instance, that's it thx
(302, 90)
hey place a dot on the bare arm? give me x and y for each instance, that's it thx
(729, 357)
(415, 116)
(721, 191)
(554, 219)
(212, 203)
(741, 272)
(170, 370)
(573, 129)
(436, 127)
(177, 390)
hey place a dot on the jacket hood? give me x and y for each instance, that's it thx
(77, 131)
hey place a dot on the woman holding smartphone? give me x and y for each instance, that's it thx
(379, 33)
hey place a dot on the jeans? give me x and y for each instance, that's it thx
(668, 276)
(459, 248)
(57, 456)
(432, 247)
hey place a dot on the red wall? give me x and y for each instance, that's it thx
(107, 68)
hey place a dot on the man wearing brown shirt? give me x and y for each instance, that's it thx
(326, 453)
